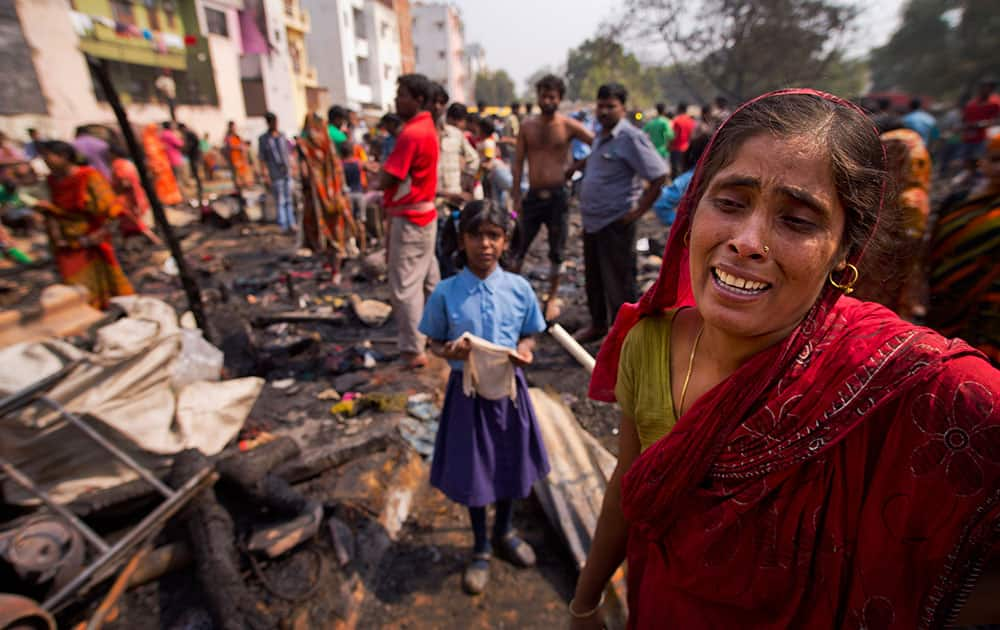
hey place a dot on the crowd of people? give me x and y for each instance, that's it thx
(789, 454)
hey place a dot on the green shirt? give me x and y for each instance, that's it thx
(336, 135)
(643, 385)
(661, 132)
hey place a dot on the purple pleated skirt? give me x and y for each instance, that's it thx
(487, 450)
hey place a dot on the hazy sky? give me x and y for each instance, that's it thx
(521, 36)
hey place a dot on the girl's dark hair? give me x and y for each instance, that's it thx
(851, 143)
(481, 211)
(475, 215)
(64, 150)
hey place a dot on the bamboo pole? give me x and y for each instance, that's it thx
(100, 69)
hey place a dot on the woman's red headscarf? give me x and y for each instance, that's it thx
(802, 489)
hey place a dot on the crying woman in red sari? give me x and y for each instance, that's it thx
(830, 465)
(76, 219)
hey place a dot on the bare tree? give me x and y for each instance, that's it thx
(742, 47)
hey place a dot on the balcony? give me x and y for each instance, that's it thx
(296, 18)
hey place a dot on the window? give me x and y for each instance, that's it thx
(387, 72)
(121, 11)
(154, 18)
(364, 77)
(359, 24)
(136, 84)
(440, 25)
(170, 8)
(216, 22)
(383, 29)
(441, 54)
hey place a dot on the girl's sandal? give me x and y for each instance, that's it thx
(515, 550)
(476, 574)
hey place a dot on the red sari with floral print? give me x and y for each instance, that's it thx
(848, 476)
(83, 202)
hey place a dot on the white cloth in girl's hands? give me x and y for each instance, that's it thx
(488, 371)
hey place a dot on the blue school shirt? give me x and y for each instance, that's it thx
(670, 197)
(501, 309)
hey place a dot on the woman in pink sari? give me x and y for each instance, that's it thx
(790, 457)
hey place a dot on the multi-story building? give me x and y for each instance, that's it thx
(50, 87)
(356, 48)
(405, 20)
(475, 62)
(268, 80)
(439, 47)
(308, 95)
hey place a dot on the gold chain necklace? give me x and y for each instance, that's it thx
(687, 377)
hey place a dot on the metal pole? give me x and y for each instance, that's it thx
(22, 480)
(99, 67)
(121, 455)
(23, 397)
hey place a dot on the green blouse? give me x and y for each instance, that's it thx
(643, 386)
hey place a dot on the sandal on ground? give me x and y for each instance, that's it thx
(515, 550)
(476, 574)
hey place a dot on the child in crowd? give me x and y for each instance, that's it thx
(487, 451)
(353, 159)
(495, 174)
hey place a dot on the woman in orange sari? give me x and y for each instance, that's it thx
(131, 197)
(327, 221)
(76, 217)
(159, 166)
(236, 155)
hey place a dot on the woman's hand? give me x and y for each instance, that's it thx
(525, 352)
(44, 206)
(522, 358)
(457, 350)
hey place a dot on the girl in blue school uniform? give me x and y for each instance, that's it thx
(487, 451)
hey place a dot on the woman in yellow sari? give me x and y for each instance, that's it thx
(82, 203)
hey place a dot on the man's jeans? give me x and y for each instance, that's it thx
(281, 189)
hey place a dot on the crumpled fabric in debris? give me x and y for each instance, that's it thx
(488, 371)
(126, 391)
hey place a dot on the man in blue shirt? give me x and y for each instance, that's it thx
(611, 201)
(922, 122)
(272, 149)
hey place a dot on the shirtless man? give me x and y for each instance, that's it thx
(545, 141)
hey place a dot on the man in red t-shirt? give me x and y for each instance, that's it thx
(981, 112)
(409, 183)
(683, 128)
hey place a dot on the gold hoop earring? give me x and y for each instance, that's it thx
(847, 287)
(687, 239)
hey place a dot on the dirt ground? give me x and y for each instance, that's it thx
(250, 270)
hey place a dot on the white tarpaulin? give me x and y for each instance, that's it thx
(129, 390)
